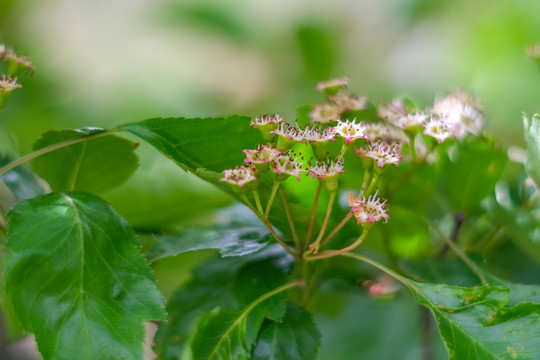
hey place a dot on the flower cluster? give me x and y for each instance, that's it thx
(368, 210)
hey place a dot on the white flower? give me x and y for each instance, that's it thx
(370, 210)
(382, 152)
(261, 155)
(325, 113)
(350, 130)
(288, 131)
(410, 120)
(461, 112)
(393, 110)
(316, 135)
(438, 128)
(8, 83)
(287, 165)
(349, 102)
(266, 120)
(375, 131)
(337, 84)
(239, 176)
(326, 169)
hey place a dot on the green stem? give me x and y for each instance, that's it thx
(376, 175)
(313, 212)
(413, 147)
(315, 246)
(328, 254)
(452, 246)
(344, 149)
(367, 177)
(337, 228)
(53, 147)
(271, 199)
(269, 226)
(257, 200)
(290, 219)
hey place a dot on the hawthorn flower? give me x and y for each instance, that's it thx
(285, 165)
(382, 152)
(370, 210)
(239, 176)
(261, 155)
(350, 130)
(325, 169)
(462, 113)
(266, 124)
(375, 131)
(8, 84)
(393, 111)
(287, 136)
(328, 172)
(325, 113)
(410, 121)
(349, 102)
(318, 139)
(437, 128)
(332, 87)
(16, 64)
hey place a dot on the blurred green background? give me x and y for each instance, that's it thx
(108, 62)
(104, 63)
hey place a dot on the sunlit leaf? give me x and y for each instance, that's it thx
(77, 280)
(95, 165)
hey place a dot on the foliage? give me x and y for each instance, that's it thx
(353, 193)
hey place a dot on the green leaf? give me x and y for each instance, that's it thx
(214, 144)
(532, 136)
(230, 284)
(21, 181)
(476, 322)
(470, 172)
(294, 337)
(94, 166)
(77, 280)
(235, 239)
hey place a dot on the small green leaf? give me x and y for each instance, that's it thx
(77, 280)
(94, 166)
(21, 181)
(235, 239)
(532, 136)
(294, 337)
(228, 283)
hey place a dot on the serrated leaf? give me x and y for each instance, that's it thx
(230, 284)
(294, 337)
(532, 136)
(235, 239)
(21, 181)
(77, 280)
(477, 323)
(95, 165)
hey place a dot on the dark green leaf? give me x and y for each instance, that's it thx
(211, 143)
(77, 280)
(532, 136)
(230, 284)
(294, 337)
(470, 172)
(235, 239)
(21, 181)
(95, 165)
